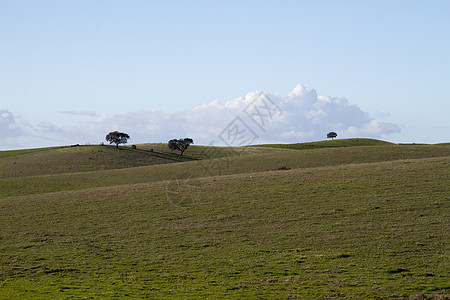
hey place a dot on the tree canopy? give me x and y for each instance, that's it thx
(116, 137)
(180, 144)
(331, 135)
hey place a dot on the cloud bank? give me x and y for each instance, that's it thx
(88, 113)
(255, 118)
(8, 126)
(9, 130)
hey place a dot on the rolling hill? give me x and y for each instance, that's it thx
(60, 160)
(329, 144)
(268, 222)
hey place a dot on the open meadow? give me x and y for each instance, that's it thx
(353, 218)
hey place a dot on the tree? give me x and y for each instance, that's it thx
(180, 144)
(117, 138)
(331, 135)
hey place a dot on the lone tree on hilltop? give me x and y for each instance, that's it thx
(331, 135)
(117, 138)
(180, 144)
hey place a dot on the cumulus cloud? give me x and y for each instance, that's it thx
(255, 118)
(87, 113)
(309, 116)
(8, 126)
(302, 115)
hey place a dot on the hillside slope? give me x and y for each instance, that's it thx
(77, 159)
(281, 159)
(329, 144)
(370, 230)
(368, 222)
(60, 160)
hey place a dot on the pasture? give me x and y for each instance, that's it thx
(364, 219)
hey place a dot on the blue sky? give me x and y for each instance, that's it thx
(71, 71)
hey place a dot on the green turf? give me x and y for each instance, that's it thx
(352, 222)
(61, 160)
(9, 153)
(16, 186)
(329, 144)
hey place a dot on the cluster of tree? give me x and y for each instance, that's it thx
(117, 138)
(180, 144)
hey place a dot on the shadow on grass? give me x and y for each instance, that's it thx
(168, 156)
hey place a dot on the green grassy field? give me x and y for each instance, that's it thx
(361, 221)
(61, 160)
(329, 144)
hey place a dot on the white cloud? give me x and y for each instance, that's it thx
(309, 116)
(302, 115)
(87, 113)
(8, 126)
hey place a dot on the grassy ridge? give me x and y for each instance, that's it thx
(215, 167)
(337, 220)
(60, 160)
(77, 159)
(329, 144)
(369, 230)
(15, 153)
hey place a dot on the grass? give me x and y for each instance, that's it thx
(61, 160)
(354, 222)
(76, 159)
(246, 163)
(329, 144)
